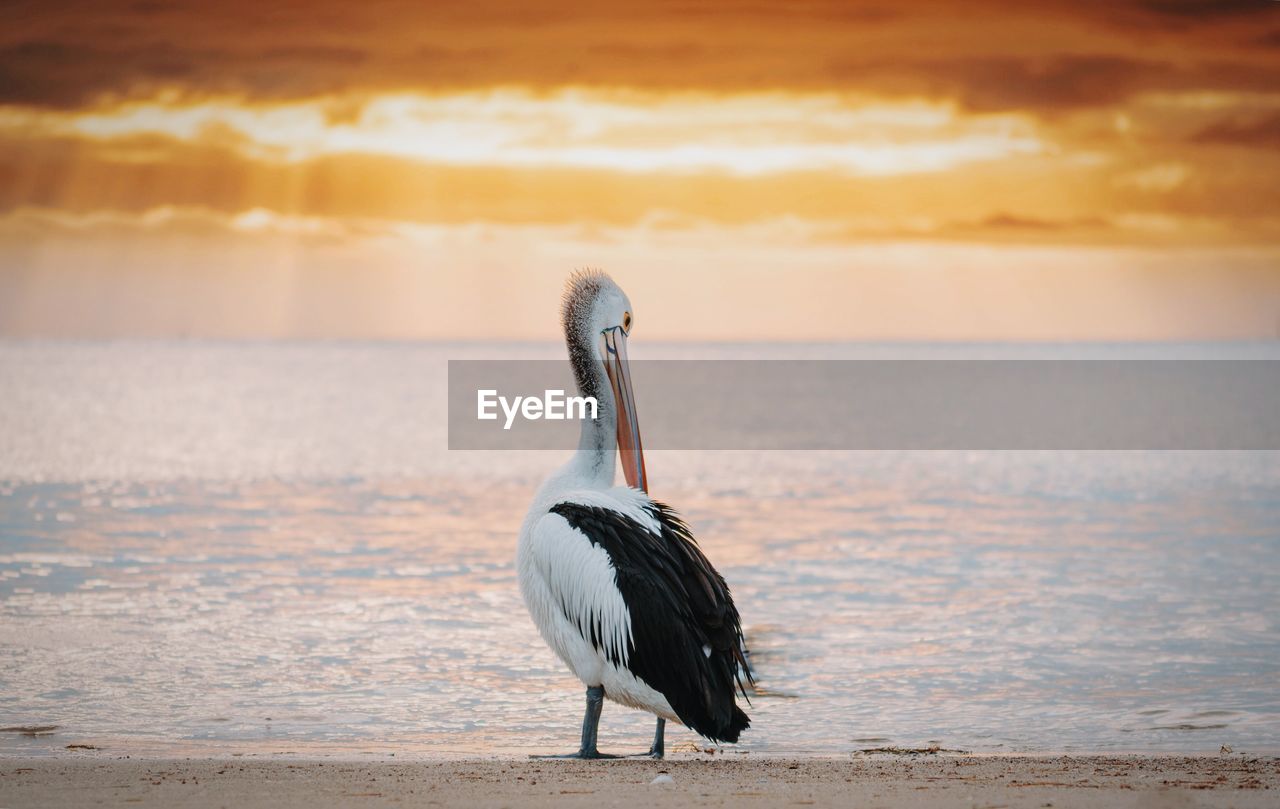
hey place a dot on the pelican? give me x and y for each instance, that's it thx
(613, 579)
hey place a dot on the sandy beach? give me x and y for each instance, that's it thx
(862, 780)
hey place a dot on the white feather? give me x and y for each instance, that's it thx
(568, 585)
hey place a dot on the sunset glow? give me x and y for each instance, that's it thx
(741, 135)
(385, 156)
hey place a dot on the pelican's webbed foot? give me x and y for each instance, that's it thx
(584, 755)
(658, 749)
(590, 725)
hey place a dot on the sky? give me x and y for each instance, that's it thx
(746, 170)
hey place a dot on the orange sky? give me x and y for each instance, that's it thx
(803, 170)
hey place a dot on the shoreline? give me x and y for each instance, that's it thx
(878, 779)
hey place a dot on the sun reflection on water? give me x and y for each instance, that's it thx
(891, 600)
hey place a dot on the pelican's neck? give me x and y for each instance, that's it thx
(594, 464)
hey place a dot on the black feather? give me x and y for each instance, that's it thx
(679, 604)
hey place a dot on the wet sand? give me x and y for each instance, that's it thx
(98, 779)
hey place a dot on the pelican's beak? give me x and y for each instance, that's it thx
(629, 448)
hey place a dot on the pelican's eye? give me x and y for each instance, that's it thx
(626, 322)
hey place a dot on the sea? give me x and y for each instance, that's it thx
(267, 548)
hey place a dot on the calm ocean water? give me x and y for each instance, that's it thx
(262, 548)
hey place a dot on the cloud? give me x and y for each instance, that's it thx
(745, 135)
(1052, 195)
(989, 84)
(1255, 132)
(1046, 55)
(1202, 10)
(1159, 178)
(1014, 222)
(51, 73)
(1049, 84)
(195, 225)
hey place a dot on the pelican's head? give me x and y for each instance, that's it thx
(598, 320)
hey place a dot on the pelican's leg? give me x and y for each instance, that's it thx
(659, 749)
(590, 725)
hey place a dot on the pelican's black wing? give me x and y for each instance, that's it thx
(686, 635)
